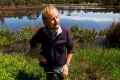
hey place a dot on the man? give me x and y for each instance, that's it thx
(56, 45)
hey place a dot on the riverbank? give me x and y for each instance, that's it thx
(88, 5)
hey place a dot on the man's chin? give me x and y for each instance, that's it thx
(57, 26)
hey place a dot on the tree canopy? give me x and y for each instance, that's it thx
(38, 2)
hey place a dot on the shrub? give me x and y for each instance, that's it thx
(6, 37)
(83, 35)
(24, 34)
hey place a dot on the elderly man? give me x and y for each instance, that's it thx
(56, 45)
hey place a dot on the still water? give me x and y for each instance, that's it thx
(88, 17)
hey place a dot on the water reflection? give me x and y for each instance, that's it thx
(89, 17)
(17, 19)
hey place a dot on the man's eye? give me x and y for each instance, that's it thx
(51, 18)
(56, 17)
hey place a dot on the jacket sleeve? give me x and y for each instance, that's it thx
(36, 39)
(69, 43)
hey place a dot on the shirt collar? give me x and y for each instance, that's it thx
(59, 30)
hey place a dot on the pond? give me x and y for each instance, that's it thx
(82, 16)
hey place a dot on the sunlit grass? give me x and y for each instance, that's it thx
(15, 66)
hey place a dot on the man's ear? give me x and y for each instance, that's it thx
(45, 22)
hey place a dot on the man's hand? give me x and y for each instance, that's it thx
(42, 59)
(65, 70)
(65, 67)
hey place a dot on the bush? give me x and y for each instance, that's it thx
(83, 35)
(24, 34)
(6, 37)
(16, 67)
(113, 35)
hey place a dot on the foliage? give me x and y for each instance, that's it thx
(6, 37)
(16, 41)
(19, 2)
(83, 35)
(33, 2)
(16, 67)
(25, 34)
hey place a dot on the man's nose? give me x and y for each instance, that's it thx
(55, 19)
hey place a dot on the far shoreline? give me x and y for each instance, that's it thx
(17, 7)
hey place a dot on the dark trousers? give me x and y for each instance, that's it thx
(54, 76)
(50, 75)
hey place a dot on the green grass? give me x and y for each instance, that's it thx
(99, 63)
(95, 63)
(16, 66)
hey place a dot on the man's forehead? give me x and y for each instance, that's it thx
(53, 12)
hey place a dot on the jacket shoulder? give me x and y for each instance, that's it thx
(64, 29)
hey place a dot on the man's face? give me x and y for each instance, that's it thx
(52, 21)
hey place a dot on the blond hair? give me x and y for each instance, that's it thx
(47, 12)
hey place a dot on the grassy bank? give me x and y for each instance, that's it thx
(90, 61)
